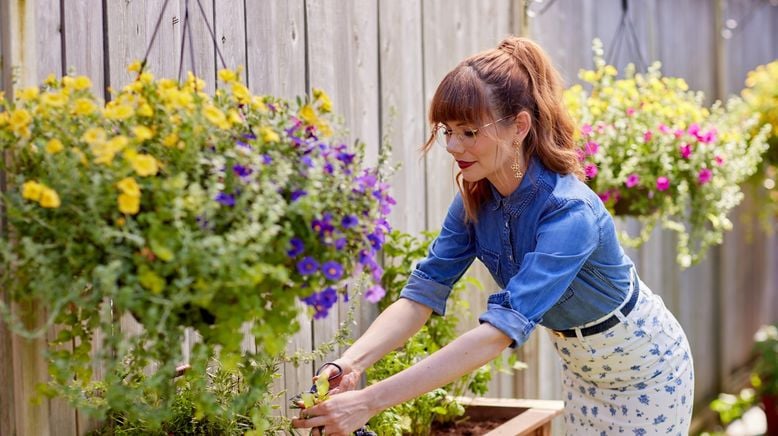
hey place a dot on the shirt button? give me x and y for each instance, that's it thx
(510, 257)
(506, 224)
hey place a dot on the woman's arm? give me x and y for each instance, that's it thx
(344, 413)
(401, 320)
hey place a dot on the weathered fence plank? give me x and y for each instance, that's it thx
(342, 51)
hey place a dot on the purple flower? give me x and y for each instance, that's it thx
(225, 199)
(328, 168)
(375, 293)
(591, 170)
(242, 171)
(647, 136)
(245, 146)
(250, 136)
(340, 243)
(586, 130)
(632, 180)
(328, 297)
(306, 160)
(704, 176)
(307, 266)
(323, 226)
(686, 151)
(332, 270)
(365, 182)
(266, 159)
(295, 195)
(296, 247)
(346, 158)
(376, 240)
(349, 221)
(662, 183)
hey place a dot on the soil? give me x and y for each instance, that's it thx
(465, 428)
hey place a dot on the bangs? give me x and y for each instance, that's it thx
(462, 97)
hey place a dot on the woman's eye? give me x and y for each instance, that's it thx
(470, 133)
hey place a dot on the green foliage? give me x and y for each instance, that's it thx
(652, 149)
(416, 416)
(181, 210)
(731, 407)
(765, 374)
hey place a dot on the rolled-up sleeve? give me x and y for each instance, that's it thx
(449, 257)
(566, 237)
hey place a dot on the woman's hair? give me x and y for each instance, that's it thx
(515, 76)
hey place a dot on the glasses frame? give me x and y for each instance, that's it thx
(462, 138)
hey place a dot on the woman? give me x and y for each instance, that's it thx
(549, 243)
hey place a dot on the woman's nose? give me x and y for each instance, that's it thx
(454, 145)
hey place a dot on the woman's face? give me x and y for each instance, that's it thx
(484, 151)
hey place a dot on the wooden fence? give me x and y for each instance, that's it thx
(380, 61)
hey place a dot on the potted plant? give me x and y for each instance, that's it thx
(764, 383)
(445, 410)
(184, 210)
(653, 150)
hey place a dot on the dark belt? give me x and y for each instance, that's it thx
(605, 325)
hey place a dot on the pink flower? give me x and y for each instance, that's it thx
(581, 155)
(591, 148)
(586, 130)
(632, 180)
(719, 160)
(678, 133)
(647, 136)
(662, 183)
(686, 151)
(694, 129)
(591, 170)
(605, 196)
(630, 111)
(663, 128)
(709, 136)
(704, 176)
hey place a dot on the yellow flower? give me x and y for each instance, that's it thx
(83, 106)
(129, 186)
(94, 135)
(49, 198)
(146, 77)
(54, 146)
(324, 99)
(51, 79)
(308, 114)
(145, 110)
(134, 67)
(268, 134)
(234, 116)
(170, 140)
(3, 118)
(120, 222)
(82, 82)
(215, 116)
(145, 165)
(241, 93)
(27, 94)
(258, 104)
(142, 133)
(68, 82)
(228, 76)
(32, 190)
(53, 99)
(19, 119)
(129, 204)
(116, 111)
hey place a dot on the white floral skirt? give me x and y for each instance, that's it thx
(636, 378)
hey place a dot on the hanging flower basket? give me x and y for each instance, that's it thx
(653, 150)
(184, 210)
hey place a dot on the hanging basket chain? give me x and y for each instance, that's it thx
(626, 34)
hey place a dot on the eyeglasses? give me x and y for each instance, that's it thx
(467, 138)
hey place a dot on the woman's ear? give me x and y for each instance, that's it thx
(523, 124)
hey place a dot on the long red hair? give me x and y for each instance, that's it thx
(516, 75)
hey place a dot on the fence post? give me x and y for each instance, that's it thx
(23, 362)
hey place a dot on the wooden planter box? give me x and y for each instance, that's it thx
(521, 417)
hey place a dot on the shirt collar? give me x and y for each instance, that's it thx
(515, 202)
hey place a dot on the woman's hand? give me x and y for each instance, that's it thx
(340, 415)
(347, 381)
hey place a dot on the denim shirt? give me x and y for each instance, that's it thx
(550, 245)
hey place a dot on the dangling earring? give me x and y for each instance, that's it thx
(516, 167)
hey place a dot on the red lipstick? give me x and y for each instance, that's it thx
(464, 164)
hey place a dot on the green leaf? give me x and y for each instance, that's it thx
(322, 387)
(161, 251)
(308, 399)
